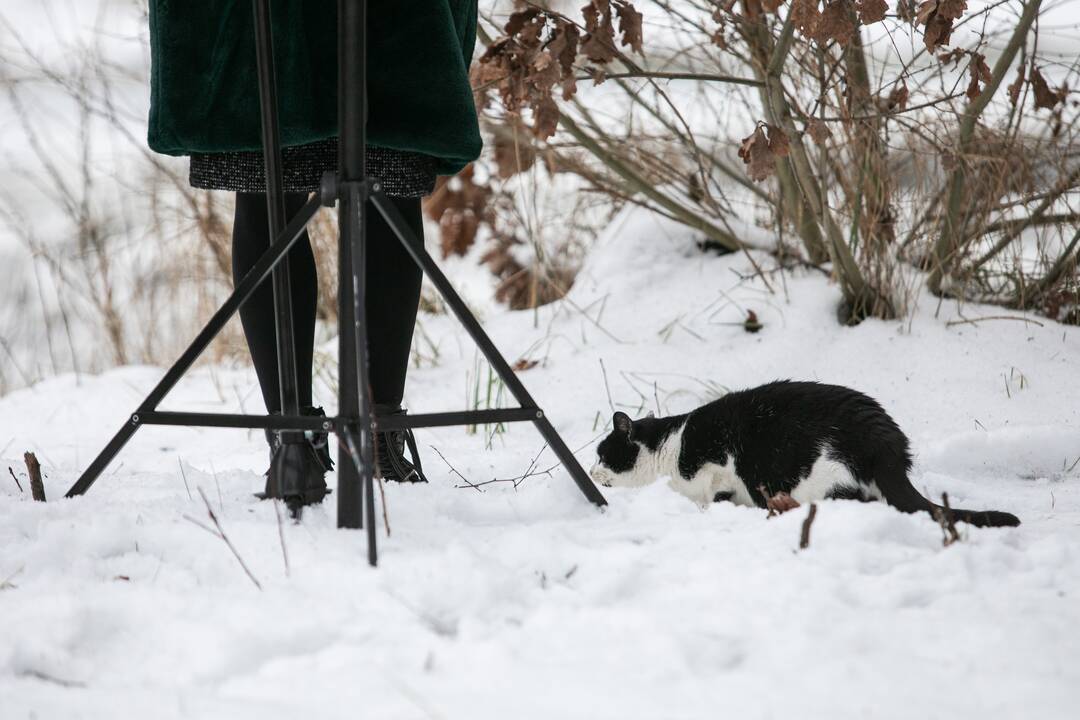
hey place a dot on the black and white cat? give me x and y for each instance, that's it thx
(809, 440)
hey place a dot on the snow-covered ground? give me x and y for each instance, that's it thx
(529, 603)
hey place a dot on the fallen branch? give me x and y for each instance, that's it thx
(530, 471)
(468, 483)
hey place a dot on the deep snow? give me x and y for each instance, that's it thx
(527, 602)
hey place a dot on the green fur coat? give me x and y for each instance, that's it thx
(204, 94)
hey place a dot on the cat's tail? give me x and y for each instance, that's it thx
(903, 496)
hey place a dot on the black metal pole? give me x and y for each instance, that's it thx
(275, 205)
(355, 484)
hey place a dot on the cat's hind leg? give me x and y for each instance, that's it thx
(828, 478)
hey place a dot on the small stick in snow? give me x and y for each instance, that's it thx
(33, 467)
(945, 519)
(804, 536)
(184, 476)
(281, 536)
(13, 477)
(219, 532)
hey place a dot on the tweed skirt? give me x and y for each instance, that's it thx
(402, 174)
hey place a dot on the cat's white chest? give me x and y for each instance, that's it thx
(711, 479)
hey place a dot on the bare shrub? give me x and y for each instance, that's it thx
(885, 136)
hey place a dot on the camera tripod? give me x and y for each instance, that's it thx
(355, 194)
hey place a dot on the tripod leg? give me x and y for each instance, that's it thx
(104, 458)
(287, 477)
(255, 277)
(348, 446)
(353, 478)
(498, 362)
(353, 389)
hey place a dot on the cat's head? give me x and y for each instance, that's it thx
(621, 455)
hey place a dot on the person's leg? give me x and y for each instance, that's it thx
(250, 240)
(393, 296)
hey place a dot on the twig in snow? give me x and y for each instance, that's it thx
(804, 536)
(944, 516)
(219, 532)
(468, 483)
(19, 484)
(530, 471)
(33, 467)
(184, 476)
(281, 536)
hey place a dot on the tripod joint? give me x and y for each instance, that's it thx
(331, 188)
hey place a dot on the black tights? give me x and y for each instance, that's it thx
(393, 294)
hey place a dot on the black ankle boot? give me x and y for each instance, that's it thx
(390, 462)
(299, 462)
(319, 440)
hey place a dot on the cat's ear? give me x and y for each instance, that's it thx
(622, 423)
(650, 414)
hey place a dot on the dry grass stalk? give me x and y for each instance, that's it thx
(219, 532)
